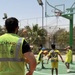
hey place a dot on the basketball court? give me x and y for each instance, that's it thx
(61, 68)
(66, 9)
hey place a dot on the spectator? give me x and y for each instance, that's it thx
(14, 50)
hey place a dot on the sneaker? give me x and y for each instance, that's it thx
(68, 70)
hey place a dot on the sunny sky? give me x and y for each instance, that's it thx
(21, 9)
(24, 9)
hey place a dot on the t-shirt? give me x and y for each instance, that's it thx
(25, 47)
(68, 56)
(54, 55)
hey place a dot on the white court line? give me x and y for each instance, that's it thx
(50, 74)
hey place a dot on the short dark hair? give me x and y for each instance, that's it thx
(41, 45)
(53, 46)
(11, 24)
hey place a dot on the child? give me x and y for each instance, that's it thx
(53, 54)
(68, 58)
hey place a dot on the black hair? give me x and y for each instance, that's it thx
(53, 46)
(11, 24)
(41, 45)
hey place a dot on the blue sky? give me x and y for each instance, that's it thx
(21, 9)
(24, 9)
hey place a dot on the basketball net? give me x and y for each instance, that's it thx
(57, 14)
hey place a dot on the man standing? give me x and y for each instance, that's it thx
(14, 50)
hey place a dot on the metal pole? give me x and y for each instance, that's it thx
(71, 35)
(42, 16)
(42, 28)
(41, 3)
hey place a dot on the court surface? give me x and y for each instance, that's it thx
(61, 69)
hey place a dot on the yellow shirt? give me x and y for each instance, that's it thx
(54, 55)
(68, 56)
(39, 57)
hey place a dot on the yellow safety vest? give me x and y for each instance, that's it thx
(11, 57)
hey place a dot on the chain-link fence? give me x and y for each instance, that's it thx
(52, 25)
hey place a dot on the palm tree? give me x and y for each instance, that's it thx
(36, 35)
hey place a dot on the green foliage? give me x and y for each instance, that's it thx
(2, 30)
(62, 37)
(36, 35)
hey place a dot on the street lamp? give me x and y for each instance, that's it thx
(41, 4)
(5, 16)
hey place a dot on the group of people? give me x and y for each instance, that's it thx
(53, 55)
(15, 51)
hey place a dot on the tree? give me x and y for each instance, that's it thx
(62, 38)
(36, 35)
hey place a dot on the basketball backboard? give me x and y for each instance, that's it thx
(59, 7)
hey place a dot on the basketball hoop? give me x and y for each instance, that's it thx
(58, 14)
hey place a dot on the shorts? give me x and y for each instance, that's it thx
(54, 64)
(67, 62)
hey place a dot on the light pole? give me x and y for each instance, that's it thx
(5, 16)
(41, 4)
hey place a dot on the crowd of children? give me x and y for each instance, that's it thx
(53, 56)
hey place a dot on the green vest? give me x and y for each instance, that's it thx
(11, 57)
